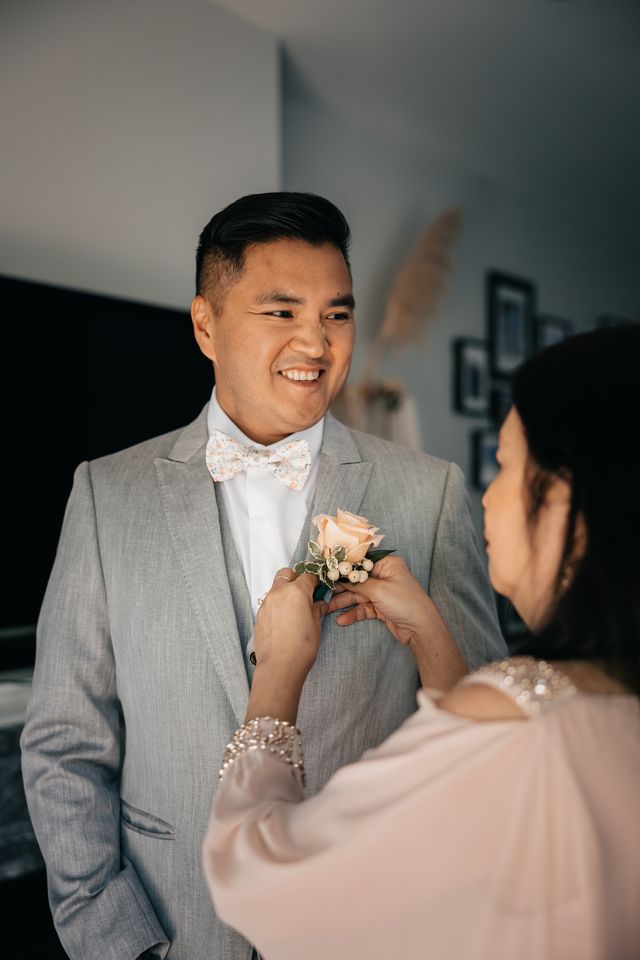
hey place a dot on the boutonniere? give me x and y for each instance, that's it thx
(345, 550)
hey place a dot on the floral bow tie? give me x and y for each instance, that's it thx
(290, 463)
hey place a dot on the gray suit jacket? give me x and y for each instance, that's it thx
(140, 679)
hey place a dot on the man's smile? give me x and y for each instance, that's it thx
(302, 377)
(300, 374)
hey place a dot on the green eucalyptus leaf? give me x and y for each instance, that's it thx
(300, 568)
(376, 555)
(340, 553)
(314, 568)
(332, 563)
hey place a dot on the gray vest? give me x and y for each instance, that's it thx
(237, 583)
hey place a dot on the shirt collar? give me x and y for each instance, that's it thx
(217, 419)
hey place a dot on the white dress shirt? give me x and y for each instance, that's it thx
(266, 517)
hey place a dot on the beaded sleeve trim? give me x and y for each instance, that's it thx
(535, 685)
(277, 737)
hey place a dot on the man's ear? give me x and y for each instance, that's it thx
(203, 326)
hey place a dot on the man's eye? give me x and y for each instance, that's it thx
(339, 316)
(282, 314)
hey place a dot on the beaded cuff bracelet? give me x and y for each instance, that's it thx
(277, 737)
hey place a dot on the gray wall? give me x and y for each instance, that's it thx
(125, 125)
(581, 255)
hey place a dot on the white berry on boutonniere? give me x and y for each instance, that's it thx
(345, 550)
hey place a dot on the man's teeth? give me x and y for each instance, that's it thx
(300, 375)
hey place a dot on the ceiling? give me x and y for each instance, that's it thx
(521, 90)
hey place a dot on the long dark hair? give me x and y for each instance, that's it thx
(579, 403)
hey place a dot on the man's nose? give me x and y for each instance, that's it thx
(310, 338)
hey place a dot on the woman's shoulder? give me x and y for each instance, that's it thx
(516, 688)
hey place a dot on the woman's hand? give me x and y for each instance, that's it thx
(287, 634)
(393, 595)
(286, 642)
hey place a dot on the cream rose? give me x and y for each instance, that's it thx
(347, 530)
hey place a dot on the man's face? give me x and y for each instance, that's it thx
(281, 343)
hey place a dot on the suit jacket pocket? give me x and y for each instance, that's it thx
(145, 823)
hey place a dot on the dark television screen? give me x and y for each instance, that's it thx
(83, 375)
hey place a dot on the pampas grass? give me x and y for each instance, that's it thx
(420, 283)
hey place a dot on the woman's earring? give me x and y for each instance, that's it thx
(567, 576)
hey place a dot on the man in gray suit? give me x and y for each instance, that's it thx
(144, 646)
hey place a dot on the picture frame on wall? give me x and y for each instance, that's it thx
(484, 447)
(500, 401)
(510, 315)
(551, 330)
(471, 376)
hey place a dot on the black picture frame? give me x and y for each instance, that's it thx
(484, 446)
(471, 377)
(510, 305)
(551, 330)
(500, 401)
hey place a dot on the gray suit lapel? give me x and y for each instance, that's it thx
(342, 479)
(192, 517)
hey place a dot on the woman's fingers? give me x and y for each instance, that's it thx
(365, 611)
(308, 583)
(348, 618)
(304, 581)
(358, 601)
(320, 609)
(285, 575)
(339, 601)
(356, 608)
(392, 569)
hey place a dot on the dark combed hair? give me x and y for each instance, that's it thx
(262, 218)
(579, 403)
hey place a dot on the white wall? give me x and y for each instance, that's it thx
(581, 260)
(125, 126)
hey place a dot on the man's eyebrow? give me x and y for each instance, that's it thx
(277, 296)
(345, 300)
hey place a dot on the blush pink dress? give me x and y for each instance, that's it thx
(454, 840)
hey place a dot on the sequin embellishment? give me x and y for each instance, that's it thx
(534, 684)
(279, 738)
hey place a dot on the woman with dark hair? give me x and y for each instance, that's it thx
(501, 820)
